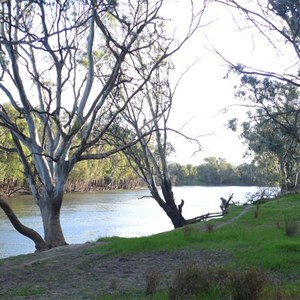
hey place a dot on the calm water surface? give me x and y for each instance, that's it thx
(86, 217)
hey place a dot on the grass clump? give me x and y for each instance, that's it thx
(114, 284)
(153, 279)
(190, 282)
(210, 226)
(248, 285)
(202, 282)
(291, 228)
(27, 291)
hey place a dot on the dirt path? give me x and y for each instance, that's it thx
(230, 221)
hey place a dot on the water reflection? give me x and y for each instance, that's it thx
(86, 217)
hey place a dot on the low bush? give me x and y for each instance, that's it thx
(291, 228)
(247, 285)
(209, 226)
(152, 282)
(194, 281)
(187, 230)
(197, 282)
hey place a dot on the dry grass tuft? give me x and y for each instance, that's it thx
(153, 279)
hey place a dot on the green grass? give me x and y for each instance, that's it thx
(26, 291)
(253, 242)
(175, 239)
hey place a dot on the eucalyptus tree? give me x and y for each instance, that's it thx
(216, 171)
(274, 94)
(150, 111)
(149, 156)
(62, 66)
(278, 22)
(273, 124)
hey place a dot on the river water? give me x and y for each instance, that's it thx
(86, 217)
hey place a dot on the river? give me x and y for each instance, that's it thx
(86, 217)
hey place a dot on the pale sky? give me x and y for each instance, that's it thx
(204, 92)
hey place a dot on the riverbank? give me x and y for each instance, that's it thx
(261, 241)
(89, 216)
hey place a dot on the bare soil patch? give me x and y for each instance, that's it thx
(74, 272)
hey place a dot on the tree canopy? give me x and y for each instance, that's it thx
(272, 97)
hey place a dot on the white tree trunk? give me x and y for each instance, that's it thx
(50, 212)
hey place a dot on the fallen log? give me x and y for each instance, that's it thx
(224, 206)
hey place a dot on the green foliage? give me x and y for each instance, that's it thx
(116, 169)
(272, 129)
(217, 171)
(10, 165)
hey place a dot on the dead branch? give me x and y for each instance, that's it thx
(224, 206)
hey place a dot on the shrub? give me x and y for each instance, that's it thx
(187, 230)
(210, 226)
(196, 282)
(152, 282)
(114, 284)
(191, 281)
(291, 228)
(248, 285)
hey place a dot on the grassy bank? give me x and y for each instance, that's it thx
(255, 255)
(265, 239)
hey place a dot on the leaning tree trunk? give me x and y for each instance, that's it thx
(173, 211)
(169, 206)
(50, 211)
(175, 215)
(40, 244)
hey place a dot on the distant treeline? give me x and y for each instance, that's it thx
(105, 174)
(115, 173)
(217, 171)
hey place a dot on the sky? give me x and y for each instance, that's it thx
(204, 93)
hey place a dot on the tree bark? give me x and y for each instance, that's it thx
(177, 219)
(173, 212)
(50, 212)
(40, 244)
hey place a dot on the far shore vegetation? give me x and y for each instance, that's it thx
(115, 173)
